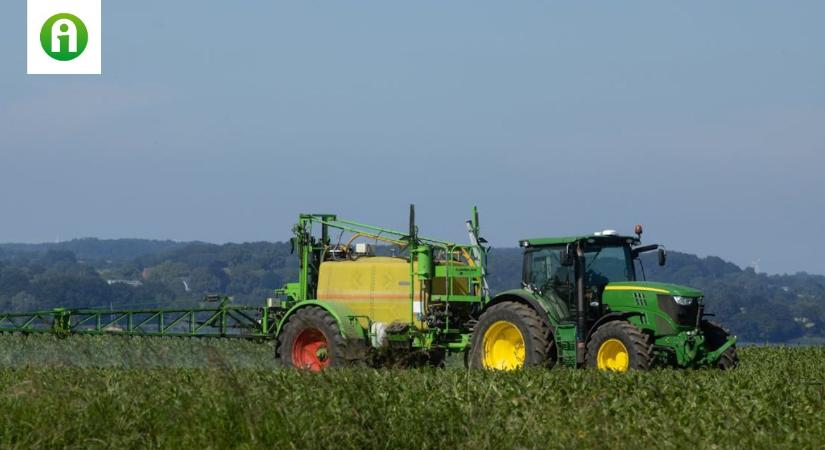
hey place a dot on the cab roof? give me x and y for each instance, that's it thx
(592, 238)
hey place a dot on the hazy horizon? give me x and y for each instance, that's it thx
(514, 246)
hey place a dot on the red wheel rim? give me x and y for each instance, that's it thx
(310, 350)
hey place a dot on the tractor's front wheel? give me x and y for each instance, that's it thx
(510, 336)
(311, 340)
(619, 346)
(715, 337)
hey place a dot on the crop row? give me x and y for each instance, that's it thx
(138, 393)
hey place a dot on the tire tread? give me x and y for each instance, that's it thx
(540, 334)
(343, 351)
(641, 357)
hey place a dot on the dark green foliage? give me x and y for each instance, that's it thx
(100, 251)
(13, 280)
(215, 398)
(169, 274)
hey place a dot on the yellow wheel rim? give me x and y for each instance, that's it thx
(503, 347)
(613, 356)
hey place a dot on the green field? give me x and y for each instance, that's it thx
(103, 392)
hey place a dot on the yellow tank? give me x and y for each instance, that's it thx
(378, 287)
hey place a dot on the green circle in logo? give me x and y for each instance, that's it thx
(64, 37)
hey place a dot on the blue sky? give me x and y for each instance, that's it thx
(221, 121)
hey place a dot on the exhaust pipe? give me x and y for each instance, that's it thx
(580, 303)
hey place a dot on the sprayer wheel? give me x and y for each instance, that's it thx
(311, 340)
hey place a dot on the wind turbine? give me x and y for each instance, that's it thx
(755, 264)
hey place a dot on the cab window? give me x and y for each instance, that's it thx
(544, 271)
(608, 264)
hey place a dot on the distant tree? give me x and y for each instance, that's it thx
(53, 257)
(72, 292)
(208, 280)
(23, 301)
(13, 280)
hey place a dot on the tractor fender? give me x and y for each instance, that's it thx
(346, 319)
(610, 317)
(550, 313)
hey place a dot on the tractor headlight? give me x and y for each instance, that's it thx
(684, 301)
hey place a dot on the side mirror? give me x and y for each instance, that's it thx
(291, 246)
(662, 257)
(566, 257)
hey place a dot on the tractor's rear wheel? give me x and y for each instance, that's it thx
(311, 340)
(510, 336)
(715, 337)
(619, 346)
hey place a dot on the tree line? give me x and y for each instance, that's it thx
(135, 273)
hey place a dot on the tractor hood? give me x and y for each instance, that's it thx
(660, 288)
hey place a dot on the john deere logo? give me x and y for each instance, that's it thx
(64, 37)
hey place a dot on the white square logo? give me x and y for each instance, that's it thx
(63, 37)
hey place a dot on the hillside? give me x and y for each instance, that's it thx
(98, 251)
(134, 272)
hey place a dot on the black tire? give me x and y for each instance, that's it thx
(314, 321)
(729, 359)
(638, 346)
(539, 348)
(715, 336)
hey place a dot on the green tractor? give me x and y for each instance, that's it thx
(582, 304)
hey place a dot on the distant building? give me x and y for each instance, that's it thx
(133, 283)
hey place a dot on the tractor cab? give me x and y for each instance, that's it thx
(555, 267)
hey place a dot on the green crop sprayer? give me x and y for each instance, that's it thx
(366, 293)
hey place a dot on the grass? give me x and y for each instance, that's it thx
(136, 393)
